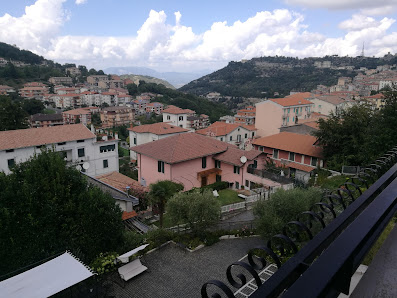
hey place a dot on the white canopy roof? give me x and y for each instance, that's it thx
(125, 257)
(47, 279)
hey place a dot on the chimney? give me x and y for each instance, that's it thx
(92, 129)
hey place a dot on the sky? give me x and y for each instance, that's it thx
(194, 36)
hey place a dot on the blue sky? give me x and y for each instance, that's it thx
(187, 36)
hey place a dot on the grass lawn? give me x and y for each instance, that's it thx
(48, 111)
(228, 196)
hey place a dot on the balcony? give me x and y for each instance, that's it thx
(340, 229)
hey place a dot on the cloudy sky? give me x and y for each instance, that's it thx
(176, 35)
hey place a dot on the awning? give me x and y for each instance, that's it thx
(47, 279)
(125, 257)
(208, 172)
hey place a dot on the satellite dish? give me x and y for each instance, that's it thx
(78, 168)
(86, 166)
(243, 159)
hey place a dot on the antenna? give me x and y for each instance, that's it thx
(362, 53)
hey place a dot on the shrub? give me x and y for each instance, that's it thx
(157, 237)
(104, 263)
(218, 185)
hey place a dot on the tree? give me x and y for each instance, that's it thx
(198, 209)
(160, 192)
(33, 106)
(132, 89)
(283, 206)
(47, 207)
(12, 116)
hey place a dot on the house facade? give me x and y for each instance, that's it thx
(116, 116)
(77, 145)
(297, 152)
(177, 116)
(327, 104)
(143, 134)
(195, 161)
(274, 113)
(82, 115)
(61, 80)
(45, 120)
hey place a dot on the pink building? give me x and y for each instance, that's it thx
(274, 113)
(196, 161)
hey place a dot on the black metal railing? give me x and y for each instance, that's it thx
(347, 223)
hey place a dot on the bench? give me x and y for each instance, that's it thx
(131, 269)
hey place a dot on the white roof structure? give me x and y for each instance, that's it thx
(47, 279)
(125, 257)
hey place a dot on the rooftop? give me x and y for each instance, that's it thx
(293, 100)
(181, 147)
(160, 128)
(292, 142)
(20, 138)
(220, 128)
(46, 117)
(176, 110)
(233, 155)
(120, 181)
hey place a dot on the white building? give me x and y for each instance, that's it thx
(77, 144)
(177, 116)
(327, 104)
(151, 132)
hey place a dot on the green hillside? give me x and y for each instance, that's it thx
(147, 79)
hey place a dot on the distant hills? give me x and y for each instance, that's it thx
(264, 76)
(147, 79)
(177, 79)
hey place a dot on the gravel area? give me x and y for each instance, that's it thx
(174, 272)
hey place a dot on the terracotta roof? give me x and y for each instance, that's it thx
(176, 110)
(222, 128)
(293, 100)
(379, 95)
(160, 128)
(46, 117)
(120, 181)
(182, 147)
(312, 124)
(128, 215)
(12, 139)
(80, 111)
(301, 167)
(292, 142)
(332, 99)
(233, 155)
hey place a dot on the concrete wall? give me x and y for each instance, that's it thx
(268, 118)
(173, 119)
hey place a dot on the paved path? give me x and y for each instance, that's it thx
(174, 272)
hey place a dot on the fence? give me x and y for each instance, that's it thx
(270, 176)
(232, 207)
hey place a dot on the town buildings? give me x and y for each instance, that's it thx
(246, 116)
(116, 116)
(6, 90)
(327, 104)
(45, 120)
(274, 113)
(81, 115)
(177, 116)
(61, 81)
(143, 134)
(76, 143)
(195, 161)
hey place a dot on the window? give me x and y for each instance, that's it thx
(255, 164)
(291, 156)
(221, 139)
(237, 185)
(253, 134)
(236, 170)
(80, 152)
(246, 135)
(287, 119)
(314, 161)
(231, 138)
(107, 148)
(180, 118)
(160, 166)
(218, 178)
(247, 183)
(134, 141)
(204, 162)
(261, 148)
(105, 163)
(80, 141)
(217, 164)
(168, 117)
(275, 153)
(62, 143)
(11, 163)
(10, 150)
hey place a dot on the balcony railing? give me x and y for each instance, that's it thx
(349, 221)
(270, 175)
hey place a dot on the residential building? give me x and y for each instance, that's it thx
(198, 122)
(33, 92)
(246, 116)
(69, 100)
(154, 107)
(66, 90)
(231, 133)
(124, 99)
(274, 113)
(94, 80)
(327, 104)
(107, 84)
(143, 134)
(140, 106)
(195, 161)
(61, 81)
(76, 143)
(177, 116)
(5, 90)
(73, 71)
(117, 116)
(45, 120)
(81, 115)
(227, 119)
(297, 152)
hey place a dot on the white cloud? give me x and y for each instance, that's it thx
(78, 2)
(343, 4)
(166, 46)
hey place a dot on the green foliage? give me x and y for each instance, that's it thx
(160, 192)
(219, 185)
(130, 241)
(151, 119)
(96, 119)
(282, 207)
(157, 237)
(198, 209)
(47, 207)
(12, 115)
(104, 263)
(10, 52)
(228, 196)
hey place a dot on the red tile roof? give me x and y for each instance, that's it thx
(301, 167)
(12, 139)
(233, 155)
(128, 215)
(293, 100)
(81, 111)
(176, 110)
(120, 181)
(182, 147)
(292, 142)
(160, 128)
(222, 128)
